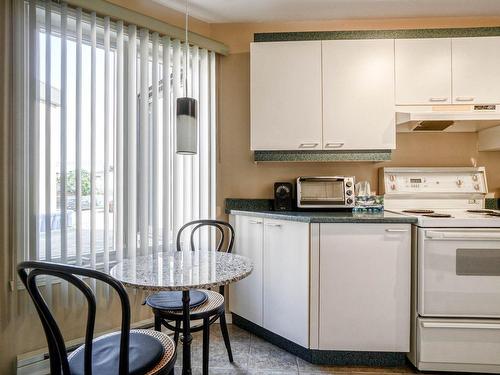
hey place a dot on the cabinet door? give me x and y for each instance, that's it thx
(285, 86)
(358, 94)
(423, 71)
(364, 287)
(286, 280)
(245, 296)
(476, 70)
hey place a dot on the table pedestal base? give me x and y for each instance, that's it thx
(186, 338)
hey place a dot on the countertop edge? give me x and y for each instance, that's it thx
(322, 219)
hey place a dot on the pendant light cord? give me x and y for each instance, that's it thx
(187, 50)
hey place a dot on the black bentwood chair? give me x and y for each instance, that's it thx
(205, 305)
(125, 352)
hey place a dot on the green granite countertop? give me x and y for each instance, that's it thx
(328, 217)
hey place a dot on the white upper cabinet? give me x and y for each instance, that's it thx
(423, 71)
(285, 95)
(476, 70)
(358, 94)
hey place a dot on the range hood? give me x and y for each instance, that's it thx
(449, 118)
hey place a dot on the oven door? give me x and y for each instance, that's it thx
(459, 272)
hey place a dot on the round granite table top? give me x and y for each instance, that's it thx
(182, 270)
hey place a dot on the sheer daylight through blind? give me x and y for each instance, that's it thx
(99, 176)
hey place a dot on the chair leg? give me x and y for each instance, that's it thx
(225, 335)
(157, 323)
(176, 333)
(206, 345)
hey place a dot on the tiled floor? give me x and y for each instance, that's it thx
(254, 356)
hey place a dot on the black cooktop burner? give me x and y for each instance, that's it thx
(494, 214)
(481, 211)
(417, 211)
(437, 215)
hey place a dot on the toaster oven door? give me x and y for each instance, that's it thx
(318, 192)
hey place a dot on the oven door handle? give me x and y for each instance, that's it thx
(460, 325)
(488, 236)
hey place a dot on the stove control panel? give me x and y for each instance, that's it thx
(432, 181)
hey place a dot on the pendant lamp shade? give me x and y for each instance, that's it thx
(187, 134)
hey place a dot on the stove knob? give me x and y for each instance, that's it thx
(475, 178)
(476, 186)
(393, 187)
(392, 178)
(460, 183)
(348, 184)
(349, 192)
(349, 201)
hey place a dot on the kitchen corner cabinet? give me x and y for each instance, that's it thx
(245, 296)
(476, 70)
(358, 94)
(285, 92)
(423, 71)
(364, 287)
(276, 295)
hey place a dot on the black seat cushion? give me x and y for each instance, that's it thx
(172, 300)
(144, 354)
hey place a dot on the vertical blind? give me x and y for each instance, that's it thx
(99, 176)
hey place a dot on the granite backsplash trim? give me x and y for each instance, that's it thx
(377, 34)
(322, 156)
(241, 204)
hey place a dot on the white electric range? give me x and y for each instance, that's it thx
(456, 266)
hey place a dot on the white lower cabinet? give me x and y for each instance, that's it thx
(276, 294)
(286, 280)
(364, 287)
(245, 296)
(347, 288)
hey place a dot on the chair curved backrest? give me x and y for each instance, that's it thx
(30, 270)
(221, 226)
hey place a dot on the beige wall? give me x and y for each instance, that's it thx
(240, 177)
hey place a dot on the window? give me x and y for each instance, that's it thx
(98, 177)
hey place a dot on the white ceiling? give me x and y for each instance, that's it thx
(219, 11)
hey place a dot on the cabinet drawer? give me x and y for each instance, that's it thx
(459, 342)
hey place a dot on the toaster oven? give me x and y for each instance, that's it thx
(325, 192)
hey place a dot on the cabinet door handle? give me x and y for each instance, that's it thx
(255, 222)
(334, 144)
(308, 145)
(394, 230)
(438, 99)
(273, 225)
(464, 98)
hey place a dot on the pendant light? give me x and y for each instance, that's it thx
(186, 118)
